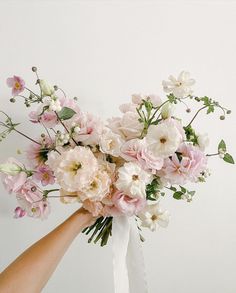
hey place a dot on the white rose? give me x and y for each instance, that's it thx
(110, 143)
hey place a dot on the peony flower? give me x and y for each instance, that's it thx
(163, 139)
(153, 216)
(187, 165)
(132, 180)
(97, 189)
(110, 143)
(127, 205)
(47, 89)
(30, 199)
(180, 87)
(44, 174)
(17, 84)
(13, 179)
(75, 168)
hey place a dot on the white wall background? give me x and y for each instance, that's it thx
(103, 51)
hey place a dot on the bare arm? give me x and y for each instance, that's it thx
(31, 270)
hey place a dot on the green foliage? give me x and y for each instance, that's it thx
(228, 158)
(178, 194)
(190, 134)
(222, 146)
(153, 190)
(66, 113)
(222, 149)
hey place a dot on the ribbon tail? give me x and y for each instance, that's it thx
(128, 261)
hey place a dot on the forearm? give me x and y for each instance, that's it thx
(30, 271)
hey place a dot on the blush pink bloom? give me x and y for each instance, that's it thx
(37, 154)
(70, 103)
(179, 171)
(136, 150)
(14, 183)
(30, 198)
(48, 118)
(127, 205)
(17, 84)
(94, 207)
(44, 174)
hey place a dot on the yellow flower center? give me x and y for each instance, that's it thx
(17, 85)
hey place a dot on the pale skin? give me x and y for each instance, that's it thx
(30, 272)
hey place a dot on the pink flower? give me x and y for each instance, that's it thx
(30, 199)
(48, 118)
(44, 174)
(13, 183)
(94, 207)
(17, 84)
(188, 165)
(127, 205)
(19, 212)
(136, 150)
(37, 154)
(70, 103)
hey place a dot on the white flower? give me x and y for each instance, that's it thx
(110, 143)
(52, 103)
(11, 169)
(167, 110)
(180, 87)
(163, 139)
(203, 141)
(62, 139)
(74, 168)
(153, 216)
(132, 180)
(47, 89)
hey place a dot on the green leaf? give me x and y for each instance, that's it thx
(183, 189)
(210, 109)
(222, 145)
(66, 113)
(228, 158)
(191, 192)
(177, 195)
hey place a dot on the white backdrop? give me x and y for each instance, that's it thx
(103, 51)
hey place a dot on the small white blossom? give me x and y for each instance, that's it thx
(181, 86)
(52, 103)
(203, 141)
(153, 216)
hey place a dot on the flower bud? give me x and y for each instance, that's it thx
(47, 89)
(19, 213)
(222, 117)
(167, 111)
(10, 169)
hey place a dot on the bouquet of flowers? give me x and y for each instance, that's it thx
(121, 167)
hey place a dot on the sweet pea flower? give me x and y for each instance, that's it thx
(17, 84)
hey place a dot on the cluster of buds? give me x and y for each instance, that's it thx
(52, 103)
(62, 138)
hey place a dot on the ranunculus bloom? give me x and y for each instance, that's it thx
(179, 170)
(13, 183)
(75, 168)
(127, 205)
(17, 84)
(30, 198)
(44, 174)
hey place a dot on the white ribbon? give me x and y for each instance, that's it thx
(128, 262)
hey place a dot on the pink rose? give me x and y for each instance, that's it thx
(127, 205)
